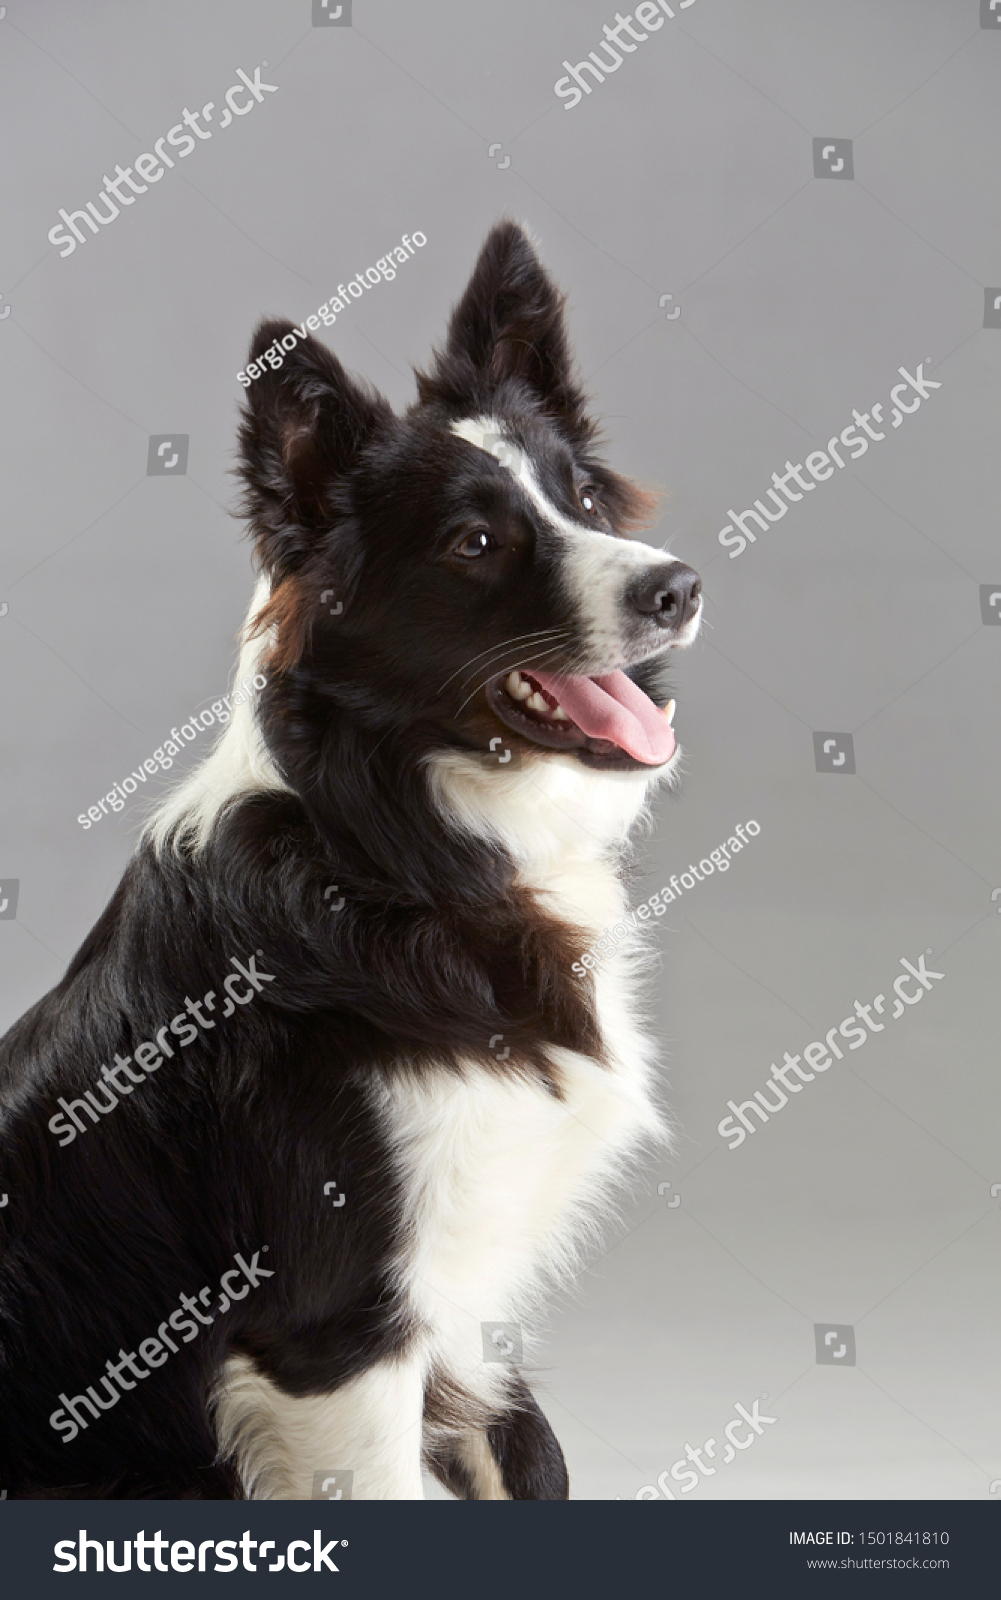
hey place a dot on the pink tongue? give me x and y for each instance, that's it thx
(614, 708)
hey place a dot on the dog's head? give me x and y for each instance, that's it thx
(467, 571)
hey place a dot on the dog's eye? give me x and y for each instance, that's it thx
(588, 500)
(477, 543)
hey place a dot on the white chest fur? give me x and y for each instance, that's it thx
(505, 1184)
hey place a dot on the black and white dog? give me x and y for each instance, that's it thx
(321, 1100)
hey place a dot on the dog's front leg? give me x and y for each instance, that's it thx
(516, 1457)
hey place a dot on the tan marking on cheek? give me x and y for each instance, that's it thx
(290, 610)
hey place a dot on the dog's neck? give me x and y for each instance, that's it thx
(547, 811)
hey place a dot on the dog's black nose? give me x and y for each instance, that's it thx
(668, 595)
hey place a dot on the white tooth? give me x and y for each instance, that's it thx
(516, 686)
(536, 703)
(559, 715)
(669, 711)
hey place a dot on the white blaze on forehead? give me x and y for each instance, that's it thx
(597, 565)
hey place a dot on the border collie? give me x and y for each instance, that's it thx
(388, 866)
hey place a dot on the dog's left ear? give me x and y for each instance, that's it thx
(304, 428)
(508, 329)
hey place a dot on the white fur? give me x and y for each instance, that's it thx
(238, 764)
(551, 811)
(370, 1426)
(506, 1184)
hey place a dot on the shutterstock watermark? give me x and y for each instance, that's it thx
(73, 1553)
(150, 1058)
(240, 98)
(820, 464)
(69, 1417)
(717, 860)
(683, 1474)
(650, 14)
(820, 1055)
(164, 757)
(384, 269)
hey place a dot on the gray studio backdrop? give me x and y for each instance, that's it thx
(762, 214)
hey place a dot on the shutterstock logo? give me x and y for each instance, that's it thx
(834, 752)
(835, 1344)
(72, 1554)
(990, 604)
(167, 456)
(832, 158)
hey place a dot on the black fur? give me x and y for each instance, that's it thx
(528, 1453)
(228, 1146)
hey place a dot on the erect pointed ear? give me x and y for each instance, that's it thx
(509, 325)
(304, 426)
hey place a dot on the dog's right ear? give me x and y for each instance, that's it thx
(305, 425)
(508, 329)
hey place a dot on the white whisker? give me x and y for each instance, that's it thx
(537, 658)
(521, 638)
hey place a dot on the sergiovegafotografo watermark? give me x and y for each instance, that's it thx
(384, 269)
(718, 860)
(164, 757)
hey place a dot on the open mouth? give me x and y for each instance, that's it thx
(608, 719)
